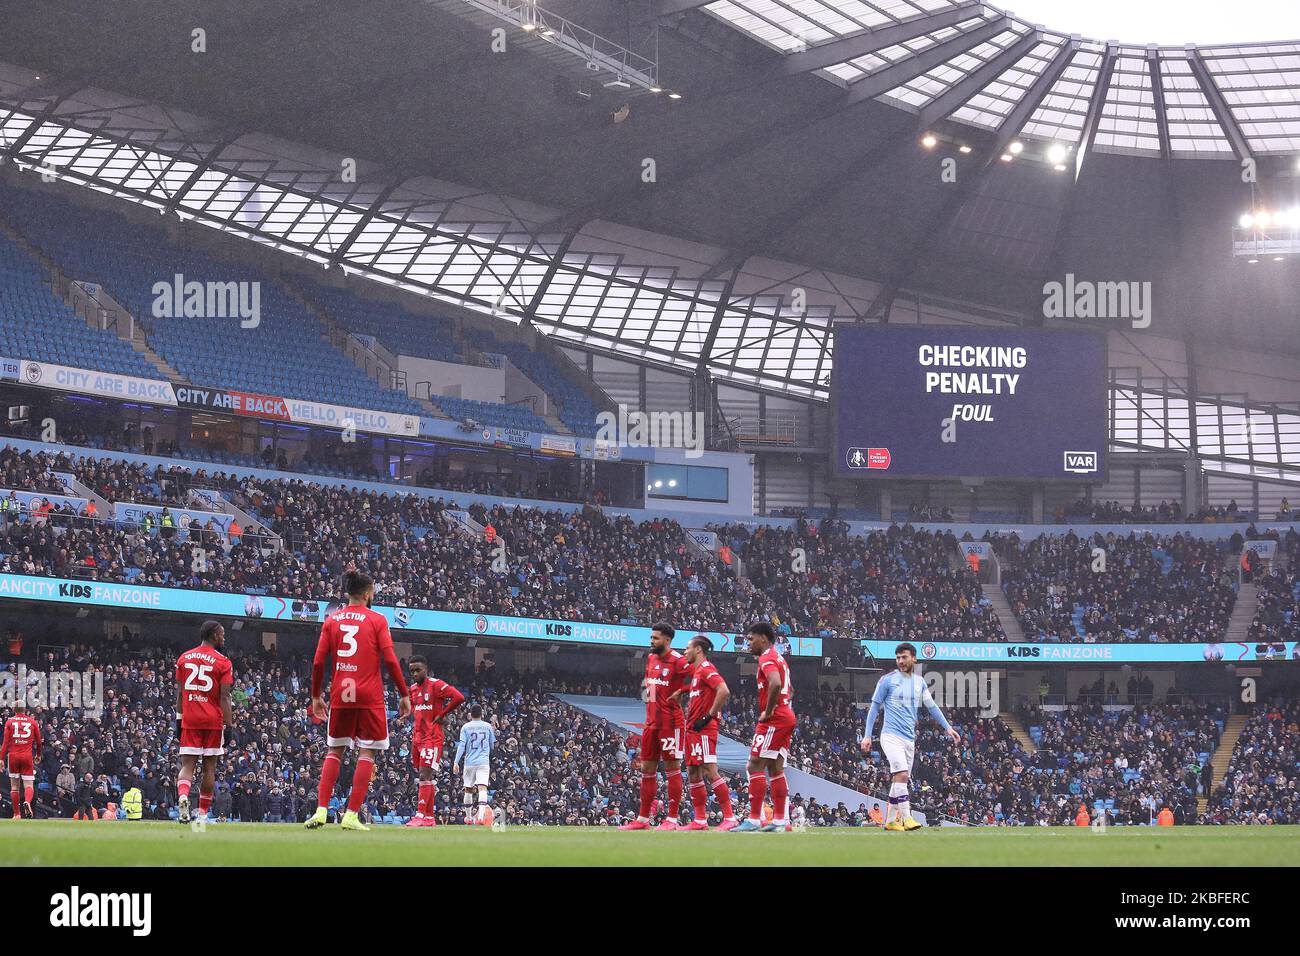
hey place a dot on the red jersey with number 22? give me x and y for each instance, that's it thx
(774, 676)
(664, 676)
(705, 681)
(201, 673)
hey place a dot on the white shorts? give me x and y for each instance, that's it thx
(898, 752)
(475, 775)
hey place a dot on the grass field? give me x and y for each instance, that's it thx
(70, 843)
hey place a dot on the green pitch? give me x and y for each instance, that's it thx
(73, 843)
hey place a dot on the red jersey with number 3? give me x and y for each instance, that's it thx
(430, 700)
(664, 676)
(359, 641)
(774, 675)
(22, 735)
(705, 681)
(201, 673)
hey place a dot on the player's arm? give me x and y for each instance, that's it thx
(773, 674)
(460, 751)
(394, 667)
(933, 707)
(873, 713)
(451, 699)
(318, 672)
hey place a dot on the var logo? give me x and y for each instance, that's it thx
(1080, 462)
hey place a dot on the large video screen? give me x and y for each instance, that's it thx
(955, 402)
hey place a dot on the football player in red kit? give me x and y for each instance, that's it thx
(203, 681)
(772, 736)
(22, 749)
(709, 695)
(359, 641)
(666, 677)
(431, 701)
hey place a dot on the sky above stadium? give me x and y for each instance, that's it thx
(1167, 22)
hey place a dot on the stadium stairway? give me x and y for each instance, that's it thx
(1010, 626)
(1243, 612)
(1019, 732)
(1232, 729)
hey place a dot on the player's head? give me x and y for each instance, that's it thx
(698, 649)
(360, 587)
(661, 637)
(476, 711)
(212, 633)
(905, 657)
(761, 636)
(419, 667)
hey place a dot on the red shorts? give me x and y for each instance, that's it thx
(662, 743)
(772, 740)
(365, 728)
(20, 765)
(201, 742)
(425, 753)
(702, 748)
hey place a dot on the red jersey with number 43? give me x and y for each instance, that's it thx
(774, 675)
(201, 672)
(22, 735)
(705, 681)
(664, 676)
(360, 643)
(430, 700)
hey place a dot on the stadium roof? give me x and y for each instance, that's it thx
(791, 186)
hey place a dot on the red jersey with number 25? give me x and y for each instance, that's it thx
(774, 676)
(360, 643)
(201, 673)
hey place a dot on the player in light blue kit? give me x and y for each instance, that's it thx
(477, 737)
(901, 694)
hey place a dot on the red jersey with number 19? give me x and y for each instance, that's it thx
(201, 673)
(774, 676)
(359, 641)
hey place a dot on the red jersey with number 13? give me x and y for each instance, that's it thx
(773, 670)
(201, 673)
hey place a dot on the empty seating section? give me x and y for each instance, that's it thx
(35, 325)
(576, 409)
(283, 354)
(405, 333)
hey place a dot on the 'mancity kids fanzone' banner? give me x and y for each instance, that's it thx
(266, 607)
(270, 608)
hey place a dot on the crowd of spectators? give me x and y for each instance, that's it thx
(897, 584)
(1137, 588)
(1168, 512)
(1260, 785)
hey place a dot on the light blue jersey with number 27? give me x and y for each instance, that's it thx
(477, 738)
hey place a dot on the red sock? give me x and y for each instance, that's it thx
(183, 788)
(649, 784)
(205, 801)
(674, 794)
(329, 775)
(425, 801)
(28, 792)
(722, 793)
(700, 800)
(780, 791)
(757, 790)
(360, 783)
(13, 796)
